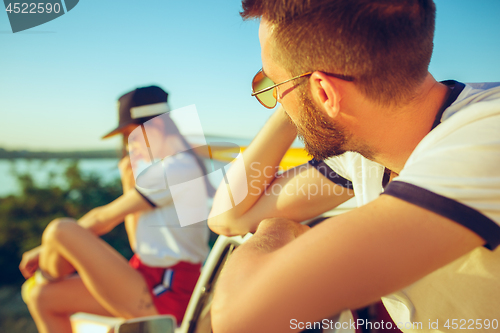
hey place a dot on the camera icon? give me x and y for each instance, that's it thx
(167, 170)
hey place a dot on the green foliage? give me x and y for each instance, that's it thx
(24, 217)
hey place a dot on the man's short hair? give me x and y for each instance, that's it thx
(386, 45)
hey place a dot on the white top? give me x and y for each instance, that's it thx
(161, 241)
(454, 171)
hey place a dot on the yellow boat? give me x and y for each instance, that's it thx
(228, 152)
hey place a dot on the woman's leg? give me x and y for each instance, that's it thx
(117, 287)
(52, 304)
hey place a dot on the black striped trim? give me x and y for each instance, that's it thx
(146, 198)
(454, 210)
(326, 171)
(386, 178)
(455, 90)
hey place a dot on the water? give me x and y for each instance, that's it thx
(40, 170)
(107, 169)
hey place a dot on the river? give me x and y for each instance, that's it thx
(41, 170)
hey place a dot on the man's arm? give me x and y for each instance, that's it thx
(346, 262)
(298, 194)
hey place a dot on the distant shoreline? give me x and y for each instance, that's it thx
(6, 154)
(46, 155)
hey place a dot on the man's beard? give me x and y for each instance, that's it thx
(321, 138)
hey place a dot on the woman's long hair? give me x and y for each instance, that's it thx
(170, 128)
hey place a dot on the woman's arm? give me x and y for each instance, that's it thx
(103, 219)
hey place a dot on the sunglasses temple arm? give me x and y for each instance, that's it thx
(274, 86)
(264, 90)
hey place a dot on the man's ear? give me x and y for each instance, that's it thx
(325, 93)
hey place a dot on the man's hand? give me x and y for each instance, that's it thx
(126, 174)
(248, 261)
(273, 233)
(29, 262)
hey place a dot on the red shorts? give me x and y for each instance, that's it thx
(170, 287)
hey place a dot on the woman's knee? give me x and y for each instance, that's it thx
(43, 301)
(58, 229)
(38, 296)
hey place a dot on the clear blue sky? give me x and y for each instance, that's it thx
(59, 81)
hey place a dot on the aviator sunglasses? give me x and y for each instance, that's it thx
(265, 90)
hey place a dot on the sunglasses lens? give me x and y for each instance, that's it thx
(268, 98)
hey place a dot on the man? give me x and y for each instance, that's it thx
(352, 77)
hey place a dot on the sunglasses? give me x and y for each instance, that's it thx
(265, 90)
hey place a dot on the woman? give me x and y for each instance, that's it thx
(161, 276)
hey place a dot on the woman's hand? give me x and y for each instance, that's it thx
(29, 262)
(126, 174)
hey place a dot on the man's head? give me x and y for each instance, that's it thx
(386, 45)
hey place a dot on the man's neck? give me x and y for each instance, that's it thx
(391, 134)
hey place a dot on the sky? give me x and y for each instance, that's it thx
(59, 82)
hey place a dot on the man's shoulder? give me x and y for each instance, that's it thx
(475, 125)
(484, 85)
(477, 103)
(473, 93)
